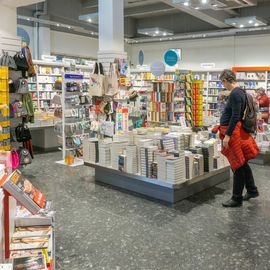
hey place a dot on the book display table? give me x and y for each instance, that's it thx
(262, 159)
(157, 189)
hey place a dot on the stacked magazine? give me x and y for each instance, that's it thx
(32, 243)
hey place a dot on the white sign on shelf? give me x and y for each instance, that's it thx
(49, 58)
(69, 61)
(208, 65)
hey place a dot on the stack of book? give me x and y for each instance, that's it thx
(189, 165)
(208, 154)
(147, 158)
(132, 159)
(175, 170)
(117, 149)
(161, 165)
(199, 159)
(105, 154)
(90, 151)
(167, 144)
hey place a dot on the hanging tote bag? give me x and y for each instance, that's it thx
(113, 88)
(15, 159)
(21, 62)
(97, 82)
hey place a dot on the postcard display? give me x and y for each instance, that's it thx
(168, 164)
(28, 227)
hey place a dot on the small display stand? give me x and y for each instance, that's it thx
(157, 189)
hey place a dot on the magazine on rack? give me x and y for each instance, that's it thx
(29, 243)
(23, 191)
(36, 231)
(35, 263)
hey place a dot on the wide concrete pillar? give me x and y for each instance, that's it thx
(111, 31)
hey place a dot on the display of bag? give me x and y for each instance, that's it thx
(7, 61)
(19, 110)
(98, 82)
(21, 86)
(22, 133)
(21, 62)
(112, 81)
(28, 55)
(15, 159)
(24, 156)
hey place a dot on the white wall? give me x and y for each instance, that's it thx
(8, 19)
(225, 52)
(75, 45)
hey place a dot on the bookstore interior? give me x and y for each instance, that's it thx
(142, 119)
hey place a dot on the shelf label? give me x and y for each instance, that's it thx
(208, 65)
(50, 58)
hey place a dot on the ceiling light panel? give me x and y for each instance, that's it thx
(246, 22)
(215, 4)
(155, 32)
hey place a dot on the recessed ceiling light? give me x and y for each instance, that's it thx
(197, 8)
(204, 1)
(214, 5)
(186, 4)
(28, 19)
(146, 33)
(89, 20)
(160, 39)
(165, 34)
(250, 22)
(92, 33)
(256, 24)
(154, 35)
(58, 25)
(157, 32)
(233, 23)
(171, 38)
(241, 26)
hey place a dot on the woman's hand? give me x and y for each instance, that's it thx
(226, 141)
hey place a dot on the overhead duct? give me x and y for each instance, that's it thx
(201, 35)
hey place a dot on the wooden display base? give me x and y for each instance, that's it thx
(261, 159)
(157, 189)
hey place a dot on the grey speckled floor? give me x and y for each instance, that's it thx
(102, 228)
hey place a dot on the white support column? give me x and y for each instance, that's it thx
(111, 31)
(44, 41)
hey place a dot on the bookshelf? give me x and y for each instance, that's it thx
(42, 86)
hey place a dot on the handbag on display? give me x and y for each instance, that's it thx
(7, 61)
(15, 159)
(97, 84)
(31, 69)
(21, 86)
(112, 81)
(23, 133)
(24, 156)
(19, 110)
(21, 62)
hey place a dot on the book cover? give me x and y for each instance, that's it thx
(37, 231)
(24, 192)
(35, 263)
(29, 243)
(15, 254)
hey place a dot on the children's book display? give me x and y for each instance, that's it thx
(31, 244)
